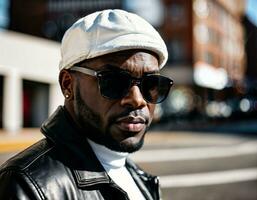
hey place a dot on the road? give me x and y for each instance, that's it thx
(223, 167)
(199, 166)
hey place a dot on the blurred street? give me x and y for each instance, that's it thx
(202, 166)
(191, 165)
(203, 144)
(243, 126)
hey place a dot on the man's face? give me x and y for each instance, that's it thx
(118, 124)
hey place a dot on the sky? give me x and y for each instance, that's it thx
(4, 19)
(251, 11)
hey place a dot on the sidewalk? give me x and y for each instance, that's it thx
(13, 142)
(17, 141)
(184, 139)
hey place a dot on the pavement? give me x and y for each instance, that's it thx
(17, 141)
(191, 165)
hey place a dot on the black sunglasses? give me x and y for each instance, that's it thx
(116, 84)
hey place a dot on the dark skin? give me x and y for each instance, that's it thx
(118, 124)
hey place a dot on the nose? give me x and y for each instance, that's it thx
(134, 98)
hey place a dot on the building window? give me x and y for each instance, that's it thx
(35, 103)
(177, 50)
(178, 14)
(208, 57)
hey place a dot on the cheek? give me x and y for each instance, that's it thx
(151, 108)
(90, 94)
(100, 105)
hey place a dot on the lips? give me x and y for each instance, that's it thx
(131, 123)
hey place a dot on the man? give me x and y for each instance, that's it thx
(109, 75)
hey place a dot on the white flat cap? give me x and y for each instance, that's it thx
(106, 32)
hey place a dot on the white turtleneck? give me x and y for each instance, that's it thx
(114, 164)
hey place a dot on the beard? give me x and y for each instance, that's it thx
(92, 126)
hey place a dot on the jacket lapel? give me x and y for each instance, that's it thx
(62, 131)
(87, 178)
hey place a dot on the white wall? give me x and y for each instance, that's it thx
(31, 58)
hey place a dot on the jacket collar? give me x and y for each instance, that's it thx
(87, 170)
(60, 129)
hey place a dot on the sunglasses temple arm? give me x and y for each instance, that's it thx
(84, 70)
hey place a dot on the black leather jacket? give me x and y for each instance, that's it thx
(63, 166)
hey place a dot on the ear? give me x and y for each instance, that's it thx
(66, 83)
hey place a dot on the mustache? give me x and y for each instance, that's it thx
(130, 113)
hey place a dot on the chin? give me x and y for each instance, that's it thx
(130, 145)
(125, 141)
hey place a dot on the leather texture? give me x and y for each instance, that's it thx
(63, 166)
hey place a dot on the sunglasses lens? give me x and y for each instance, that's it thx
(114, 85)
(155, 88)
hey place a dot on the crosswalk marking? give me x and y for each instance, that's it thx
(196, 153)
(210, 178)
